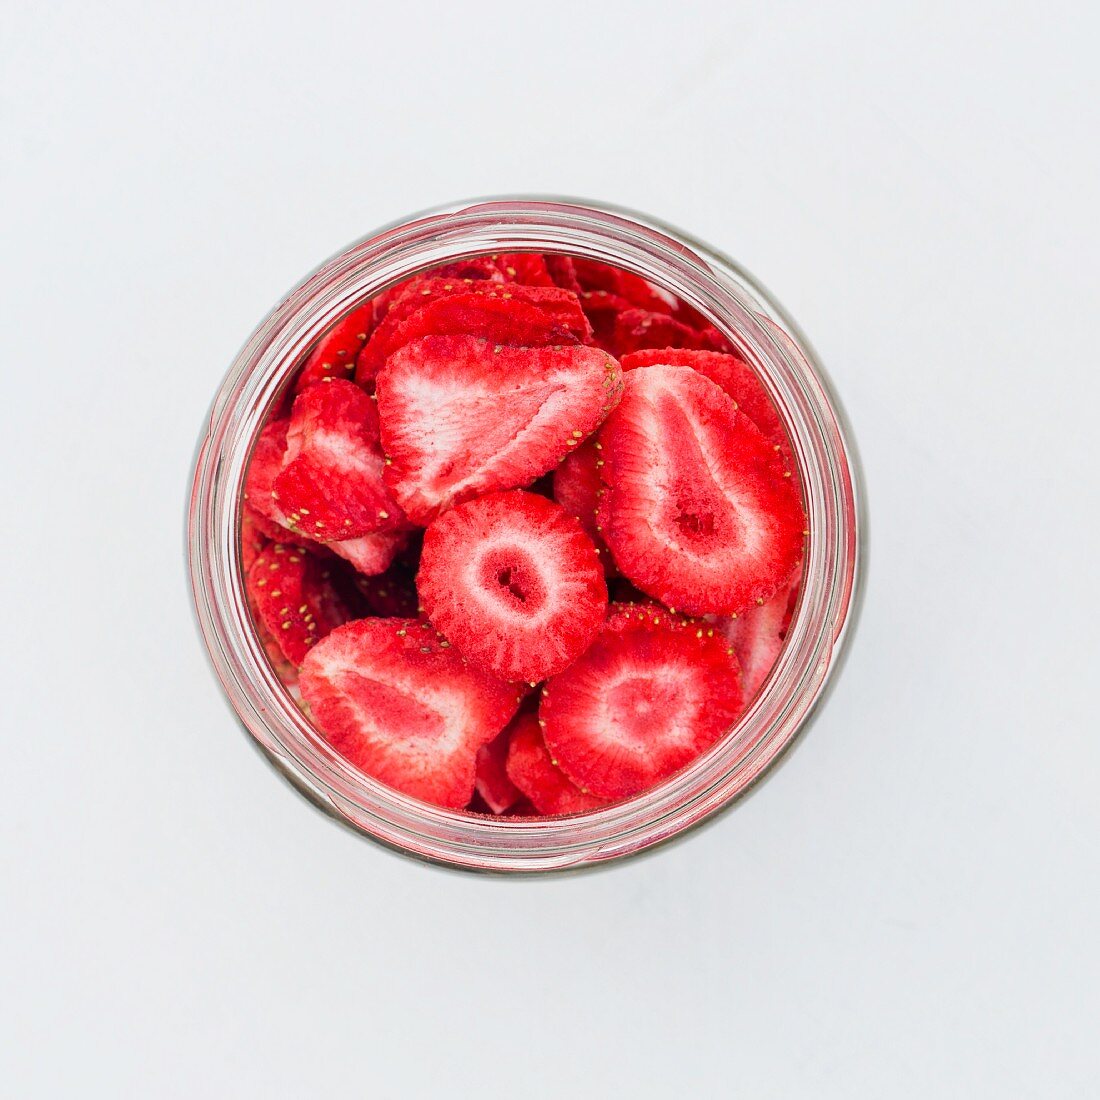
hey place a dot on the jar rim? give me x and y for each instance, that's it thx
(731, 299)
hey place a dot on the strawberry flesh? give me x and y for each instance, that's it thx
(728, 371)
(420, 311)
(650, 695)
(293, 596)
(514, 583)
(636, 329)
(699, 513)
(528, 268)
(533, 772)
(330, 487)
(491, 780)
(578, 488)
(334, 356)
(757, 636)
(461, 416)
(404, 708)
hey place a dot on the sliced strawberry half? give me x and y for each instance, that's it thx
(649, 696)
(514, 583)
(578, 488)
(371, 554)
(483, 268)
(528, 268)
(602, 308)
(334, 356)
(293, 596)
(253, 539)
(496, 317)
(403, 707)
(392, 593)
(731, 373)
(699, 511)
(461, 416)
(263, 469)
(508, 314)
(491, 779)
(330, 487)
(637, 291)
(533, 772)
(636, 329)
(563, 272)
(757, 636)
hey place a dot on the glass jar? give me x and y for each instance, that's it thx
(763, 334)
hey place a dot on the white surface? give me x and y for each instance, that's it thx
(909, 907)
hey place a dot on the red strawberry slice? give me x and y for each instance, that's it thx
(491, 780)
(371, 554)
(646, 699)
(461, 416)
(731, 373)
(514, 583)
(563, 272)
(578, 488)
(403, 707)
(253, 539)
(533, 772)
(528, 268)
(636, 329)
(391, 594)
(259, 480)
(510, 314)
(504, 320)
(294, 597)
(639, 292)
(473, 267)
(602, 308)
(283, 669)
(334, 356)
(757, 636)
(699, 511)
(330, 487)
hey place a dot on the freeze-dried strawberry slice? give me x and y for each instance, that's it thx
(253, 540)
(602, 308)
(637, 291)
(528, 268)
(473, 267)
(263, 469)
(403, 707)
(699, 511)
(636, 329)
(371, 554)
(334, 356)
(294, 597)
(504, 320)
(514, 583)
(491, 776)
(538, 777)
(461, 416)
(330, 487)
(731, 373)
(757, 636)
(578, 488)
(646, 699)
(287, 673)
(391, 594)
(508, 314)
(563, 272)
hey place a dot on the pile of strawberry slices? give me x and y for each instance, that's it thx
(524, 537)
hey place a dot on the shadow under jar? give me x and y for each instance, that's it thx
(760, 332)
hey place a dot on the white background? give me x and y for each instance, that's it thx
(908, 908)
